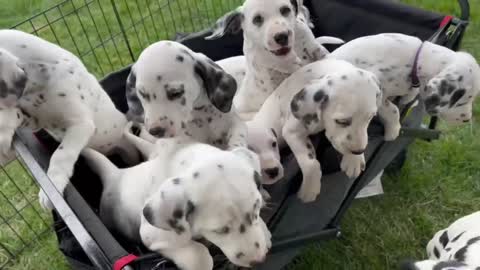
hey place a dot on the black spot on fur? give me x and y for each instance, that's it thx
(196, 174)
(144, 95)
(457, 96)
(179, 58)
(436, 253)
(62, 94)
(173, 223)
(444, 239)
(178, 214)
(344, 77)
(320, 96)
(460, 78)
(309, 119)
(257, 245)
(248, 219)
(190, 209)
(242, 228)
(239, 255)
(257, 178)
(330, 82)
(176, 181)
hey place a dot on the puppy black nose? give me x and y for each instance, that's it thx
(272, 172)
(358, 152)
(157, 132)
(281, 38)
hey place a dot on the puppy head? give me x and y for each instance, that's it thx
(171, 82)
(12, 78)
(451, 93)
(217, 199)
(232, 215)
(434, 265)
(263, 141)
(343, 103)
(268, 25)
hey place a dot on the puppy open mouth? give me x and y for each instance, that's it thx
(282, 51)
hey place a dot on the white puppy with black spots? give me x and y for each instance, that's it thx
(454, 248)
(177, 92)
(329, 95)
(277, 41)
(185, 192)
(43, 86)
(448, 81)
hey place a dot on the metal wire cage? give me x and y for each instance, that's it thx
(106, 35)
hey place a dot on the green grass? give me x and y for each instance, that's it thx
(439, 183)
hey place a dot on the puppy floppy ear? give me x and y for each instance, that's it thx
(219, 85)
(170, 209)
(135, 109)
(230, 23)
(308, 104)
(304, 15)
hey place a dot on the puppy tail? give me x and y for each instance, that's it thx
(101, 165)
(329, 40)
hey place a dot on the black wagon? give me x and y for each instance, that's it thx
(114, 42)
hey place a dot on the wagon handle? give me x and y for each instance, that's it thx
(464, 9)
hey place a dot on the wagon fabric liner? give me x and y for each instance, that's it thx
(87, 243)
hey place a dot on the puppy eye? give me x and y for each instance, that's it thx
(258, 20)
(285, 11)
(223, 230)
(274, 144)
(343, 122)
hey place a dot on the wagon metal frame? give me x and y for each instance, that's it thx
(112, 44)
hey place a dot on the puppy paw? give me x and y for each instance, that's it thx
(311, 185)
(392, 132)
(45, 203)
(60, 181)
(353, 165)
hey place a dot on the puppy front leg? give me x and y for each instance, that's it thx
(238, 134)
(353, 165)
(390, 117)
(63, 159)
(10, 120)
(296, 136)
(193, 256)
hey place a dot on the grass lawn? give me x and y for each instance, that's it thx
(440, 182)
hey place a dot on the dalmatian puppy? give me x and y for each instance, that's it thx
(448, 81)
(277, 41)
(329, 95)
(186, 192)
(43, 86)
(264, 142)
(177, 92)
(454, 248)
